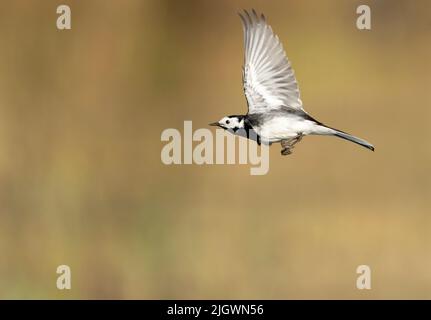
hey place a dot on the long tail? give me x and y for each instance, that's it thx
(349, 137)
(325, 130)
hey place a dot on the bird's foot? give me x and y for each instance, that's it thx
(286, 151)
(288, 144)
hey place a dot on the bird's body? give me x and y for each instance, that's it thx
(283, 124)
(275, 110)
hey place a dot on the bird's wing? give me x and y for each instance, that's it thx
(269, 80)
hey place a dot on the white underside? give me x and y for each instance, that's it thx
(280, 128)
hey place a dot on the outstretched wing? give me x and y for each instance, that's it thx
(269, 80)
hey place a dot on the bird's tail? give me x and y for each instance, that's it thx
(325, 130)
(349, 137)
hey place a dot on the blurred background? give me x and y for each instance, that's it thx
(82, 183)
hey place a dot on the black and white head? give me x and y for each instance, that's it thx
(233, 123)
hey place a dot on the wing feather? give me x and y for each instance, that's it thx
(268, 77)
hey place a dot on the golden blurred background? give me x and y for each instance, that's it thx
(82, 183)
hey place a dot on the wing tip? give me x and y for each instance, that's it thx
(254, 13)
(251, 17)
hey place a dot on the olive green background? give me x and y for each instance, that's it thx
(82, 183)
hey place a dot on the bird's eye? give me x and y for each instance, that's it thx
(227, 121)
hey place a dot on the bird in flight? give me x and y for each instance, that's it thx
(275, 110)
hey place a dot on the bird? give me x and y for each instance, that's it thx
(275, 109)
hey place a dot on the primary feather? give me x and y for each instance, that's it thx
(269, 80)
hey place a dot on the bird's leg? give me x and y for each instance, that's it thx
(288, 144)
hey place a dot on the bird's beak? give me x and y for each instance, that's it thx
(215, 124)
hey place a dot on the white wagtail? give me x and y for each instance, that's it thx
(275, 111)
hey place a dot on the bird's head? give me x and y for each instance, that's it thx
(230, 122)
